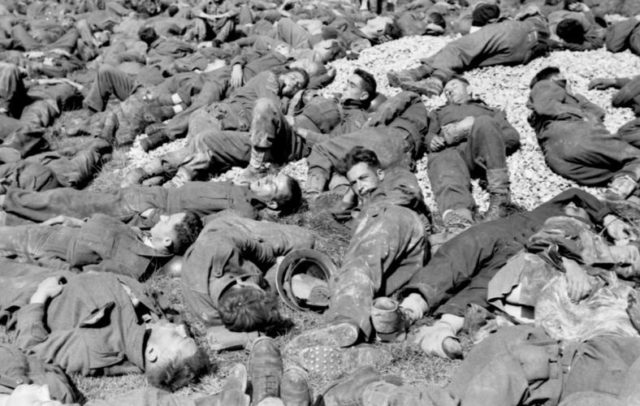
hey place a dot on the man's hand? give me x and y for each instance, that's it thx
(578, 282)
(437, 143)
(618, 229)
(48, 289)
(455, 133)
(602, 83)
(237, 75)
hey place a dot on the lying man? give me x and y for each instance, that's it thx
(574, 140)
(142, 205)
(92, 325)
(386, 251)
(459, 272)
(468, 138)
(101, 243)
(510, 42)
(223, 272)
(232, 115)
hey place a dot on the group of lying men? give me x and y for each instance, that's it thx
(242, 82)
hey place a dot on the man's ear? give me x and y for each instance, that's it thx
(380, 173)
(150, 354)
(273, 205)
(364, 96)
(167, 242)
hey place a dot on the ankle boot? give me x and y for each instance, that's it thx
(499, 193)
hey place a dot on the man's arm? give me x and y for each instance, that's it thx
(629, 91)
(547, 99)
(31, 329)
(618, 34)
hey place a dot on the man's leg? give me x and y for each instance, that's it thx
(272, 138)
(386, 251)
(460, 259)
(485, 151)
(79, 170)
(451, 184)
(217, 150)
(109, 81)
(28, 176)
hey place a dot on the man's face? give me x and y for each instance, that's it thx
(163, 234)
(456, 92)
(376, 27)
(168, 342)
(323, 50)
(291, 83)
(559, 79)
(354, 90)
(271, 188)
(364, 179)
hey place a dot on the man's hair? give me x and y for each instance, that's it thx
(393, 30)
(294, 200)
(483, 13)
(187, 232)
(438, 19)
(305, 76)
(544, 74)
(358, 155)
(177, 373)
(247, 308)
(571, 31)
(369, 84)
(147, 34)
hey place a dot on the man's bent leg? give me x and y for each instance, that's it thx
(387, 249)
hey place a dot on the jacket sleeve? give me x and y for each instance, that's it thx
(595, 208)
(30, 326)
(510, 135)
(433, 129)
(547, 99)
(618, 34)
(625, 96)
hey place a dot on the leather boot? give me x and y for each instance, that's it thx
(294, 390)
(265, 369)
(499, 193)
